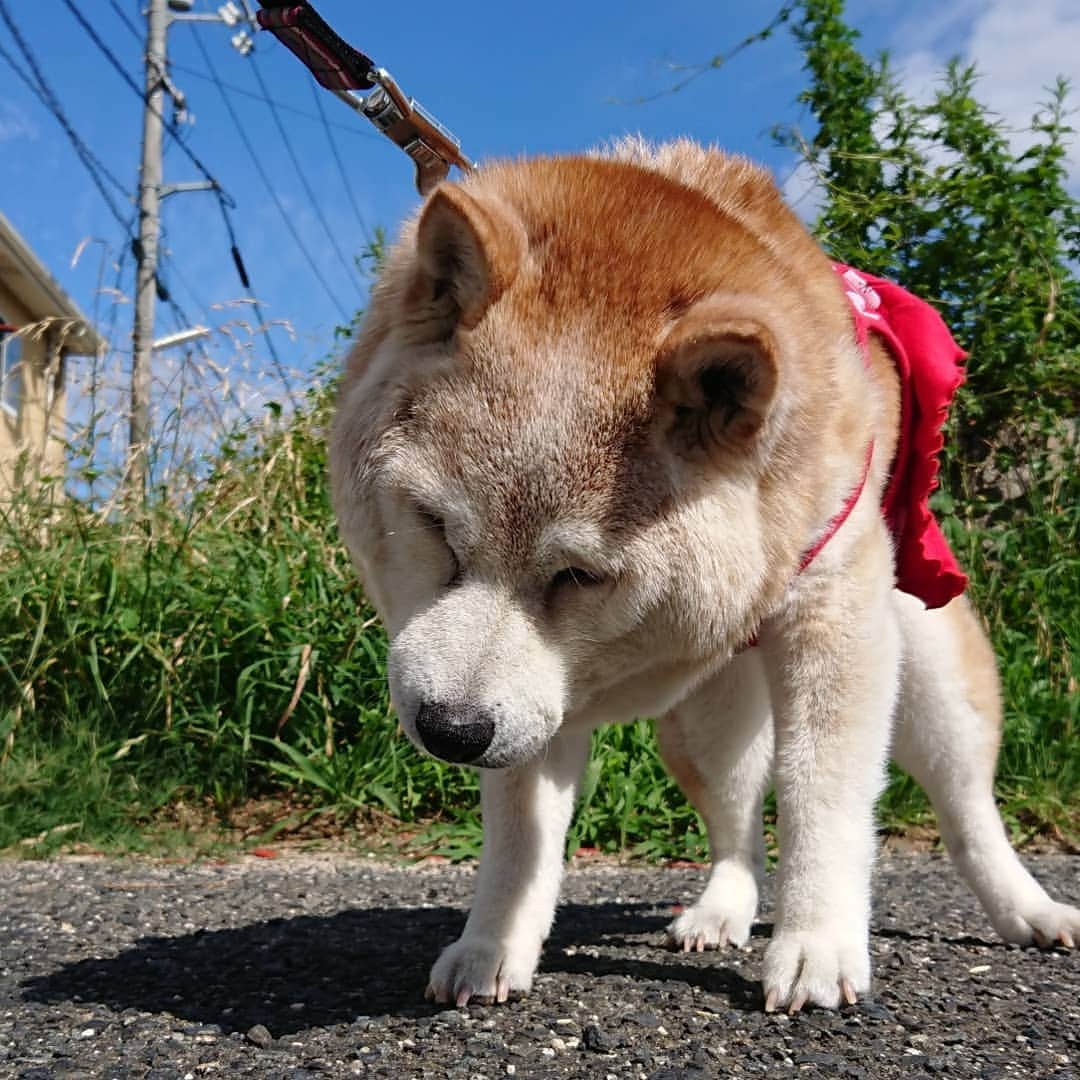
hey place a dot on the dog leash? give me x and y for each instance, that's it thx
(340, 68)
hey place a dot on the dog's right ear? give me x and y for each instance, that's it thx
(468, 251)
(717, 374)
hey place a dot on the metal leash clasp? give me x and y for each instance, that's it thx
(431, 145)
(342, 69)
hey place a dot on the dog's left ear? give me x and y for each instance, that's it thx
(717, 374)
(469, 249)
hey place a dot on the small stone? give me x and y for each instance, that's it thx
(875, 1010)
(594, 1038)
(259, 1036)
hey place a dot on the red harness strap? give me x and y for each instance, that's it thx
(928, 362)
(838, 519)
(861, 300)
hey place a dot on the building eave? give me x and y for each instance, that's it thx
(41, 294)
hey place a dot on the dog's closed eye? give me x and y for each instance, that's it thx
(436, 525)
(575, 576)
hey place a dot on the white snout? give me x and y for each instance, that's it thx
(470, 662)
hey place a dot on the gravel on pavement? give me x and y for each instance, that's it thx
(315, 966)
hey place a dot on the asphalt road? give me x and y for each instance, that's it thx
(308, 967)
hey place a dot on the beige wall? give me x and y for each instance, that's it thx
(31, 444)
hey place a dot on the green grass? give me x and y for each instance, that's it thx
(221, 651)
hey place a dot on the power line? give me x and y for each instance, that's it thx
(126, 20)
(317, 94)
(104, 49)
(291, 150)
(264, 176)
(97, 170)
(224, 200)
(196, 74)
(241, 270)
(94, 166)
(170, 126)
(352, 129)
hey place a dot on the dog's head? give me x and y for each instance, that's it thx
(565, 456)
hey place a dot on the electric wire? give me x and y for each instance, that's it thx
(225, 201)
(264, 176)
(317, 94)
(109, 55)
(126, 20)
(169, 125)
(283, 106)
(97, 170)
(99, 173)
(351, 270)
(352, 129)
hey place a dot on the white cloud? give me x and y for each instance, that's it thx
(803, 191)
(1021, 49)
(15, 124)
(1018, 49)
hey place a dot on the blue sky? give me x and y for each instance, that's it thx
(508, 79)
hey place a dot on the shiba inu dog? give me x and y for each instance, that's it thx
(610, 445)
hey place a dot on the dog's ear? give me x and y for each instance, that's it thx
(469, 249)
(716, 377)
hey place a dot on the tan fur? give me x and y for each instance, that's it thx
(597, 412)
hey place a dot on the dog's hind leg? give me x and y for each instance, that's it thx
(718, 745)
(947, 736)
(526, 813)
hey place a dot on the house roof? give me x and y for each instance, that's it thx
(39, 292)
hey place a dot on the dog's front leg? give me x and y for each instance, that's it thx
(833, 663)
(526, 812)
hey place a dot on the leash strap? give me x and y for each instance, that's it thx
(335, 64)
(339, 67)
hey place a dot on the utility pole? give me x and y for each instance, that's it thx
(146, 254)
(160, 14)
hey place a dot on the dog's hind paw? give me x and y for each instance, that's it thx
(704, 927)
(1048, 925)
(480, 971)
(723, 913)
(817, 967)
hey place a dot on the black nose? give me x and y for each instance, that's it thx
(454, 733)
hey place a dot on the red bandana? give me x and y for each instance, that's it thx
(928, 361)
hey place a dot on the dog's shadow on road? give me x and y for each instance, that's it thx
(293, 974)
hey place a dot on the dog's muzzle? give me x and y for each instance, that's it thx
(453, 732)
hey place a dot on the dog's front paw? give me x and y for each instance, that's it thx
(481, 970)
(722, 915)
(822, 966)
(1045, 925)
